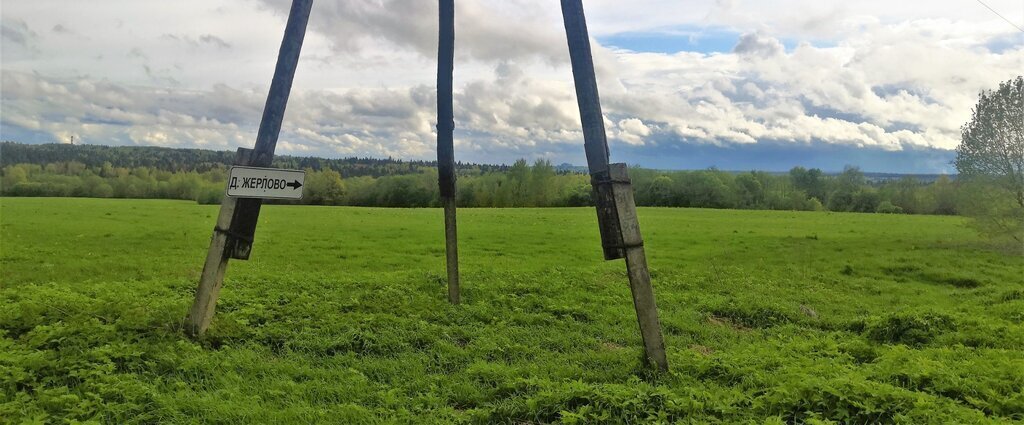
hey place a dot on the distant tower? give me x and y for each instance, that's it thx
(72, 139)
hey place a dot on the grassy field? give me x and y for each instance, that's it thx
(341, 317)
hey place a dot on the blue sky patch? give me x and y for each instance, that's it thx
(700, 40)
(1004, 43)
(691, 39)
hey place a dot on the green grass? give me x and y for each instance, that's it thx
(340, 316)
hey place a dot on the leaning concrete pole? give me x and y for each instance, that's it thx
(248, 210)
(236, 223)
(445, 141)
(612, 190)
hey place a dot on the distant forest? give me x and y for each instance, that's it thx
(200, 175)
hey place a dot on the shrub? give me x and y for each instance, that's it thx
(209, 195)
(907, 328)
(752, 315)
(814, 204)
(887, 207)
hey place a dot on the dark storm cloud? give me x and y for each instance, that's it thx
(779, 156)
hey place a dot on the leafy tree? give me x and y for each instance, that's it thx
(361, 191)
(518, 182)
(14, 174)
(542, 177)
(942, 196)
(905, 193)
(844, 196)
(660, 191)
(797, 201)
(750, 190)
(578, 191)
(324, 187)
(865, 199)
(407, 190)
(990, 159)
(810, 181)
(705, 189)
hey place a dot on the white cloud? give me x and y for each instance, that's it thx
(195, 73)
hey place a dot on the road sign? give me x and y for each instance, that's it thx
(267, 183)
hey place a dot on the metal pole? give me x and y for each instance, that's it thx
(613, 195)
(236, 223)
(445, 140)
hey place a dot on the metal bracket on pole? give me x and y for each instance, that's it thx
(603, 192)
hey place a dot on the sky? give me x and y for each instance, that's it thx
(732, 84)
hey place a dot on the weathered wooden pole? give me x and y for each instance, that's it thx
(236, 223)
(613, 194)
(445, 141)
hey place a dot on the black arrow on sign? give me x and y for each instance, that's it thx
(294, 184)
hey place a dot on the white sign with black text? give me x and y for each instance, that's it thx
(267, 183)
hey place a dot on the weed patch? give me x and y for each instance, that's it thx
(914, 329)
(751, 315)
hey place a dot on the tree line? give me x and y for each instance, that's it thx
(539, 184)
(201, 160)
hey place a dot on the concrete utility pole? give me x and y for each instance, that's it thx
(236, 223)
(613, 193)
(445, 141)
